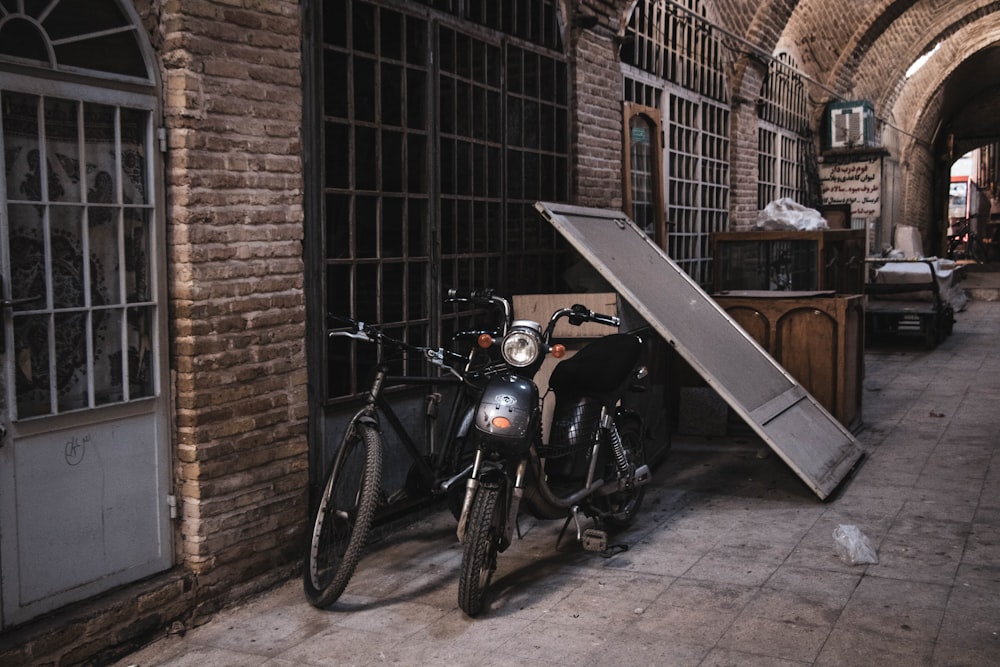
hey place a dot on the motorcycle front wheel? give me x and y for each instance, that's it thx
(344, 516)
(479, 554)
(620, 508)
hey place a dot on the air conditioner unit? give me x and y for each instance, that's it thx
(850, 125)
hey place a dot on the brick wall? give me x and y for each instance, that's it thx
(743, 165)
(233, 113)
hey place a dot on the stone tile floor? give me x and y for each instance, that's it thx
(731, 562)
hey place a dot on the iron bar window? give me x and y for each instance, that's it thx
(782, 146)
(673, 62)
(443, 122)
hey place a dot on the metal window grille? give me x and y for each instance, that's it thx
(439, 135)
(665, 38)
(782, 146)
(674, 61)
(78, 209)
(376, 183)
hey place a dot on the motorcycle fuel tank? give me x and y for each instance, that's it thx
(508, 414)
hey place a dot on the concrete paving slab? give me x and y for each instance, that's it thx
(730, 562)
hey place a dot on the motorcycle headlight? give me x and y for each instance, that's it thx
(522, 345)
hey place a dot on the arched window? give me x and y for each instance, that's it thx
(94, 38)
(673, 61)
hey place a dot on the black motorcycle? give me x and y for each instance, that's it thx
(964, 243)
(593, 462)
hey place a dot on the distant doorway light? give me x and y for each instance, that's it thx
(919, 62)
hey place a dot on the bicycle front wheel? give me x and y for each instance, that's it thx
(343, 518)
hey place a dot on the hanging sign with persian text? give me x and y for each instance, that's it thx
(857, 183)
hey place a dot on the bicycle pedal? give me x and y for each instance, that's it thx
(595, 540)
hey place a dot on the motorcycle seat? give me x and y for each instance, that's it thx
(599, 368)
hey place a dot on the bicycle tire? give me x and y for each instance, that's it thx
(479, 553)
(343, 516)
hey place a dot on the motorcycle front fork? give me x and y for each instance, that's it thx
(472, 485)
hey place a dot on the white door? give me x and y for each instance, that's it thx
(84, 453)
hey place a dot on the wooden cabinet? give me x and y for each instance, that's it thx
(817, 337)
(827, 259)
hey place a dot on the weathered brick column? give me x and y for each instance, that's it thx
(596, 114)
(233, 114)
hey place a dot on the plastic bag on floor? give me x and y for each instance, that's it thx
(853, 546)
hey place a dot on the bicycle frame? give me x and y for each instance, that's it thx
(378, 407)
(435, 465)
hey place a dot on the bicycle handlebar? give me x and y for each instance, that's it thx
(483, 297)
(438, 356)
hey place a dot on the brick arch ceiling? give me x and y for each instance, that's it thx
(957, 93)
(861, 50)
(972, 103)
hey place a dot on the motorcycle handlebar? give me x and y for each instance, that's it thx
(579, 314)
(609, 320)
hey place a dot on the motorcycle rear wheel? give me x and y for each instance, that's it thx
(479, 554)
(344, 516)
(620, 509)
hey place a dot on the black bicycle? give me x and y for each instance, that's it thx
(352, 494)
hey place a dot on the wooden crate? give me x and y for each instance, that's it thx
(829, 259)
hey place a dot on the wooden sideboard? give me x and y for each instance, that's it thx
(818, 337)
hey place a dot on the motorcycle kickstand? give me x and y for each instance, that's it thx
(574, 512)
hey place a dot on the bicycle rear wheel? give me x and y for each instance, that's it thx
(343, 518)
